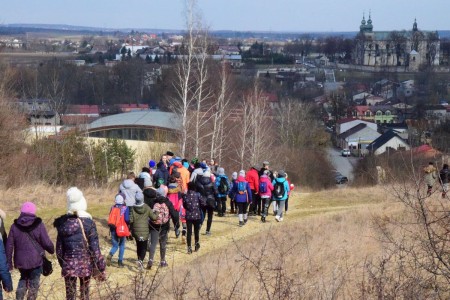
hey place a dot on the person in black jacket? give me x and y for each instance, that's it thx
(161, 175)
(159, 229)
(193, 203)
(205, 186)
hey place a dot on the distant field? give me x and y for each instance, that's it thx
(32, 57)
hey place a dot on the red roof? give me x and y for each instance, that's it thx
(83, 109)
(346, 120)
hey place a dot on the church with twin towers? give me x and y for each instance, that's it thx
(409, 49)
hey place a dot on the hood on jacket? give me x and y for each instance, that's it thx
(241, 179)
(280, 179)
(27, 222)
(128, 183)
(139, 209)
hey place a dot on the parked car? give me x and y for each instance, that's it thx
(340, 179)
(345, 152)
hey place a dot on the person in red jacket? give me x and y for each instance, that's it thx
(252, 178)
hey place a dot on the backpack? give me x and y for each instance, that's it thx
(115, 214)
(122, 229)
(263, 187)
(223, 186)
(278, 190)
(173, 197)
(162, 211)
(242, 187)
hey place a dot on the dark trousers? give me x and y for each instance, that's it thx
(71, 288)
(265, 202)
(141, 249)
(155, 237)
(210, 212)
(29, 281)
(233, 205)
(242, 207)
(255, 206)
(286, 204)
(221, 205)
(196, 224)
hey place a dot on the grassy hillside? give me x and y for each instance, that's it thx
(324, 235)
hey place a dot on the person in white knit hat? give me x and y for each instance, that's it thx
(77, 246)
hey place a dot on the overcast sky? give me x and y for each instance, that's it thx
(241, 15)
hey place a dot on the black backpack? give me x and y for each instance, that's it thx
(223, 186)
(278, 190)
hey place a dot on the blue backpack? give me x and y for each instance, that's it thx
(263, 187)
(242, 187)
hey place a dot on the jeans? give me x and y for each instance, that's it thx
(156, 235)
(71, 288)
(118, 243)
(280, 208)
(221, 205)
(196, 225)
(29, 281)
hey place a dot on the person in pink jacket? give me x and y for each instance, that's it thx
(265, 192)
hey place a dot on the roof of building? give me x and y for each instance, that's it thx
(147, 118)
(383, 139)
(352, 130)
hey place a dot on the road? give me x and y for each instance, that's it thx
(342, 164)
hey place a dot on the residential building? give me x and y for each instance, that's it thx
(386, 142)
(357, 139)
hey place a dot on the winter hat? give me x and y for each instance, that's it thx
(139, 199)
(221, 171)
(170, 153)
(207, 173)
(120, 198)
(28, 208)
(266, 172)
(203, 165)
(76, 203)
(152, 164)
(234, 175)
(281, 174)
(162, 190)
(194, 160)
(242, 173)
(186, 164)
(265, 163)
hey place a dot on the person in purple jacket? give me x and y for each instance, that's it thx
(27, 242)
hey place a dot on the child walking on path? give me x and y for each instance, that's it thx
(139, 219)
(118, 243)
(26, 244)
(193, 203)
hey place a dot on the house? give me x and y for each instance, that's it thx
(374, 100)
(343, 125)
(383, 114)
(387, 141)
(357, 138)
(399, 128)
(361, 97)
(437, 113)
(39, 112)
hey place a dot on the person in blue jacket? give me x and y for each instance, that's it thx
(242, 196)
(280, 193)
(5, 275)
(222, 187)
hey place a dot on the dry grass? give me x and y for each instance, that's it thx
(324, 241)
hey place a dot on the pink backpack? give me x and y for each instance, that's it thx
(175, 200)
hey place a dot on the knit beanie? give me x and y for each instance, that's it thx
(242, 173)
(221, 171)
(186, 164)
(120, 199)
(162, 190)
(75, 200)
(28, 208)
(152, 164)
(234, 175)
(139, 199)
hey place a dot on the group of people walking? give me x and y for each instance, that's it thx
(172, 190)
(188, 193)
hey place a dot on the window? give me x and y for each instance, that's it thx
(368, 114)
(387, 113)
(379, 113)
